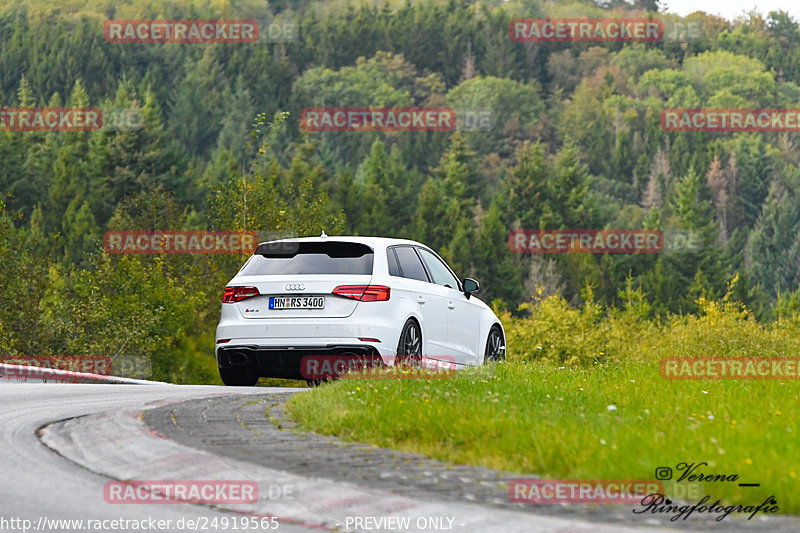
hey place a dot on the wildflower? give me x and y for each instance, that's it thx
(611, 407)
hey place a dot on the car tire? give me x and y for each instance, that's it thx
(495, 346)
(238, 376)
(409, 348)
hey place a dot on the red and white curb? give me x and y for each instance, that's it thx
(38, 374)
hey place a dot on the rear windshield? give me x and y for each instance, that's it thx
(309, 258)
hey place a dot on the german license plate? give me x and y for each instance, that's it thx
(296, 302)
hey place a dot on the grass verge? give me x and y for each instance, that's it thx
(610, 419)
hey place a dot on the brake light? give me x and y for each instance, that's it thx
(237, 294)
(363, 293)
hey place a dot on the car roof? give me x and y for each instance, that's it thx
(372, 242)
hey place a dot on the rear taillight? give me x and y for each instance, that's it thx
(363, 293)
(237, 294)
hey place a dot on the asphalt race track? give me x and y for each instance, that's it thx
(37, 483)
(63, 445)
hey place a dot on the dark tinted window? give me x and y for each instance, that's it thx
(410, 265)
(310, 258)
(394, 268)
(439, 272)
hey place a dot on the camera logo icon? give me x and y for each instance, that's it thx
(663, 473)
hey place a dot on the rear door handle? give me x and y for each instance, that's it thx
(420, 299)
(451, 305)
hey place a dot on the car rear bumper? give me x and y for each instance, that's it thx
(286, 361)
(373, 331)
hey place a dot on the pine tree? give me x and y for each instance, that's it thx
(494, 264)
(196, 114)
(719, 194)
(524, 189)
(458, 172)
(692, 272)
(237, 116)
(81, 234)
(770, 248)
(345, 196)
(574, 206)
(437, 215)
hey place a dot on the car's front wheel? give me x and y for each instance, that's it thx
(495, 346)
(238, 376)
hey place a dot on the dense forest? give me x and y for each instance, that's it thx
(575, 142)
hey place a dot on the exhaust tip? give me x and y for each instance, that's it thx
(237, 358)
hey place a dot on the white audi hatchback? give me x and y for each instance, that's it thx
(361, 296)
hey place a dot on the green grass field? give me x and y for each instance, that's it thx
(606, 414)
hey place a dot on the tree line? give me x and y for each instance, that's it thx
(575, 142)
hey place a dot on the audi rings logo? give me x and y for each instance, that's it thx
(295, 287)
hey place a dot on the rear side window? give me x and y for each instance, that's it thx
(310, 258)
(394, 268)
(410, 265)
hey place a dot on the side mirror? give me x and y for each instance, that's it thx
(470, 286)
